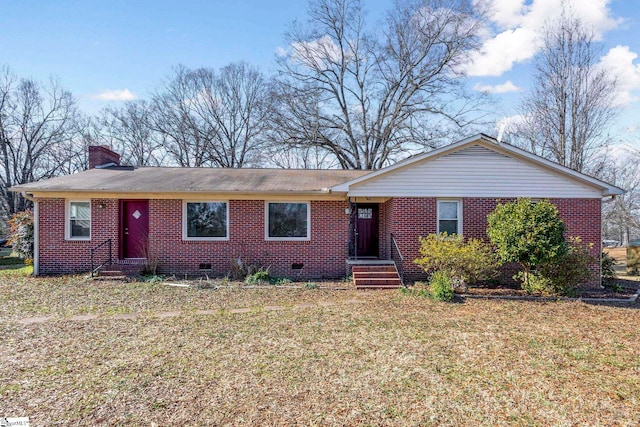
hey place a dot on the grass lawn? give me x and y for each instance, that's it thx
(370, 358)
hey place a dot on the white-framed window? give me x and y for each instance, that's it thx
(205, 220)
(287, 221)
(450, 216)
(78, 220)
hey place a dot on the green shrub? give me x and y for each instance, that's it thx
(440, 286)
(21, 237)
(562, 275)
(567, 272)
(310, 285)
(259, 277)
(467, 261)
(530, 234)
(535, 283)
(151, 278)
(262, 277)
(607, 267)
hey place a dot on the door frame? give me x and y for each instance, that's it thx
(121, 238)
(375, 241)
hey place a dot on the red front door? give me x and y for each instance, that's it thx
(367, 230)
(135, 228)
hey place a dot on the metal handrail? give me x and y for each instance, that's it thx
(95, 268)
(399, 266)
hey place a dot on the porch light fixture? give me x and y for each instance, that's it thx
(102, 205)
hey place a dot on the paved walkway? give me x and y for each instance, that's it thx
(169, 314)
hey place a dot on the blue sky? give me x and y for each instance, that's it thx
(123, 49)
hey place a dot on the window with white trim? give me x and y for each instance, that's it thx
(450, 216)
(287, 221)
(78, 223)
(205, 220)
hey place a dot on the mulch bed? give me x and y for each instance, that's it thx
(627, 292)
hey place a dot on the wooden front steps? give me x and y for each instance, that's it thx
(376, 276)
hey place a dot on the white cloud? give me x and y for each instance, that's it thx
(620, 61)
(507, 13)
(520, 27)
(316, 53)
(505, 87)
(116, 95)
(281, 52)
(500, 53)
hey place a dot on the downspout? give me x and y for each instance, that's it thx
(36, 232)
(610, 200)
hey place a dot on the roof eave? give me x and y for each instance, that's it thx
(194, 193)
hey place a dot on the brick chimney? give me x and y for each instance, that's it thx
(101, 155)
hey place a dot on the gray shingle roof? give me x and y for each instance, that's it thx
(199, 180)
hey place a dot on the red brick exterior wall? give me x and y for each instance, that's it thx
(323, 256)
(60, 256)
(407, 218)
(413, 217)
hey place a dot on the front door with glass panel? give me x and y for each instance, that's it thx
(366, 227)
(135, 228)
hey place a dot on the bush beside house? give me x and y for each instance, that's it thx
(525, 232)
(21, 234)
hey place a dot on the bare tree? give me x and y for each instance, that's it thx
(567, 112)
(187, 137)
(213, 118)
(288, 157)
(236, 104)
(368, 97)
(129, 130)
(621, 215)
(38, 127)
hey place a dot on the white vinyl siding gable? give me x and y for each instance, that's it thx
(475, 171)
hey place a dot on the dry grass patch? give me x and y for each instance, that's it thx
(391, 360)
(67, 296)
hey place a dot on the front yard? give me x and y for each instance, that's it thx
(309, 357)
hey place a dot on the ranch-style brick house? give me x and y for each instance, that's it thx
(302, 224)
